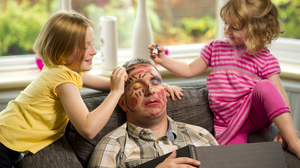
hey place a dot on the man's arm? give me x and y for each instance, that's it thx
(104, 154)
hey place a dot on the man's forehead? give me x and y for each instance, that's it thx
(142, 69)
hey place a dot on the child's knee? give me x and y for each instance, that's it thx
(264, 86)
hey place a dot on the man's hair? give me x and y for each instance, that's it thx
(258, 17)
(63, 34)
(136, 61)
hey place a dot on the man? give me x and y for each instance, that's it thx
(148, 132)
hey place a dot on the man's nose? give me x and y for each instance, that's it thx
(149, 90)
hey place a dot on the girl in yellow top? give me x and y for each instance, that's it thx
(39, 115)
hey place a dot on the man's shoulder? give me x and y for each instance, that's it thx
(119, 132)
(184, 126)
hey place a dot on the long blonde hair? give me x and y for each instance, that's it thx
(258, 17)
(62, 35)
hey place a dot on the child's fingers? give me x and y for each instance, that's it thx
(178, 93)
(169, 92)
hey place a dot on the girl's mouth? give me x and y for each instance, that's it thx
(89, 61)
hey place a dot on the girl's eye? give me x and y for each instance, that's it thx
(235, 28)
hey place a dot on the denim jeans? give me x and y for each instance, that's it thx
(7, 156)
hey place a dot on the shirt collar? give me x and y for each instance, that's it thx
(143, 133)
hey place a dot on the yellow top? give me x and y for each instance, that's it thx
(36, 118)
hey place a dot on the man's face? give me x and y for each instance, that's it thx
(144, 97)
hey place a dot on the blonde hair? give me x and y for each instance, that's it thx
(258, 17)
(62, 35)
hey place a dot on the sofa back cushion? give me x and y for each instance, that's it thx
(192, 109)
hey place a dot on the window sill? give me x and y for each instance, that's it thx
(16, 77)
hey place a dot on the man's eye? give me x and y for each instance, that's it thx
(155, 82)
(136, 86)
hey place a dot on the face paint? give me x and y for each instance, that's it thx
(134, 101)
(144, 93)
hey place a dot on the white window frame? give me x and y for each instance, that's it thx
(18, 71)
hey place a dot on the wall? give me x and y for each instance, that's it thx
(176, 9)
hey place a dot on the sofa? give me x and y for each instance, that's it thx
(74, 151)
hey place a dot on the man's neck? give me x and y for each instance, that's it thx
(160, 129)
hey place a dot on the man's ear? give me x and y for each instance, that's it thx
(122, 103)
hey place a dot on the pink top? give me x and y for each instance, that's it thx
(231, 81)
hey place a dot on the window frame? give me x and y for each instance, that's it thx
(20, 70)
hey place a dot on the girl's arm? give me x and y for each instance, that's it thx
(178, 68)
(88, 124)
(96, 82)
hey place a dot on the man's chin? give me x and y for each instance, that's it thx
(155, 114)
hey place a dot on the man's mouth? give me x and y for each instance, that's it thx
(152, 102)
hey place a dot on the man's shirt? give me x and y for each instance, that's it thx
(130, 145)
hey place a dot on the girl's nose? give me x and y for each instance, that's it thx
(94, 51)
(227, 29)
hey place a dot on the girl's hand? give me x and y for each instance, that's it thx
(159, 56)
(117, 80)
(173, 90)
(280, 138)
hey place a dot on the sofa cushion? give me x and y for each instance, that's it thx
(82, 147)
(57, 154)
(192, 109)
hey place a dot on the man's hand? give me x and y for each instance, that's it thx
(173, 162)
(173, 91)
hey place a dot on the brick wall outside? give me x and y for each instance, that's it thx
(178, 9)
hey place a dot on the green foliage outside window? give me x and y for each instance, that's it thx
(20, 24)
(289, 14)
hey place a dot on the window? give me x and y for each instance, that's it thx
(182, 26)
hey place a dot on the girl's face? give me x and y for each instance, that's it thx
(90, 51)
(234, 34)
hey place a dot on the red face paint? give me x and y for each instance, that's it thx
(143, 69)
(134, 101)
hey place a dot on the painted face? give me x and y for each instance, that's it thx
(235, 35)
(144, 93)
(90, 51)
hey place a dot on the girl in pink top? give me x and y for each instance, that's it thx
(245, 91)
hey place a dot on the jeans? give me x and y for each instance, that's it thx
(7, 156)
